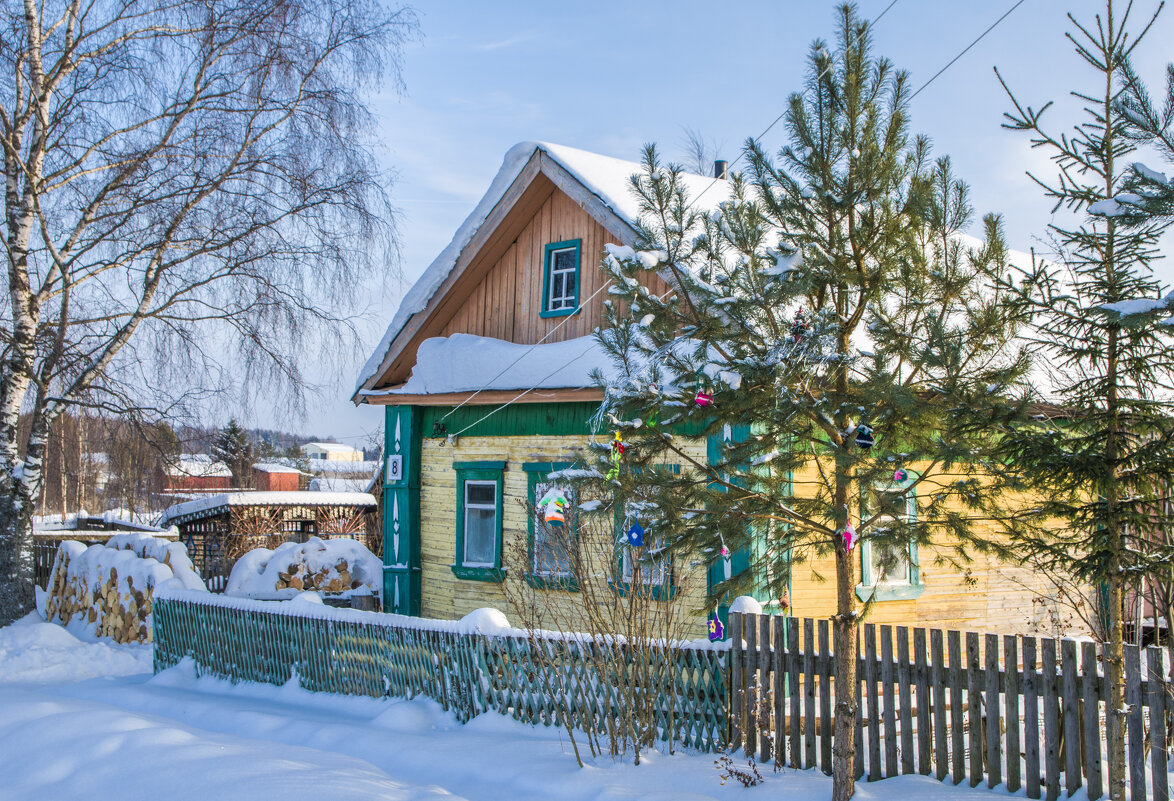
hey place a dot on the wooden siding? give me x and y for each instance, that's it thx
(500, 295)
(984, 594)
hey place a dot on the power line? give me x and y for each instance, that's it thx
(1006, 14)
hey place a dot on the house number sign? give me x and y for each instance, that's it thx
(395, 469)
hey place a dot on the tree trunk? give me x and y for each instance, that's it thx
(1116, 711)
(844, 628)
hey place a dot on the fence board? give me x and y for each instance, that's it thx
(736, 689)
(825, 700)
(794, 655)
(763, 702)
(750, 686)
(1135, 724)
(993, 758)
(957, 733)
(1030, 719)
(1011, 709)
(780, 689)
(1051, 719)
(974, 707)
(1070, 708)
(938, 679)
(890, 710)
(874, 763)
(859, 712)
(809, 691)
(921, 682)
(1159, 758)
(1092, 723)
(905, 699)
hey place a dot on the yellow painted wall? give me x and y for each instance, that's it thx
(983, 595)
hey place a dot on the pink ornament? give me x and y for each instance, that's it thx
(850, 538)
(900, 475)
(704, 398)
(725, 551)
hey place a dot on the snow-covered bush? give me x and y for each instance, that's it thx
(338, 567)
(109, 587)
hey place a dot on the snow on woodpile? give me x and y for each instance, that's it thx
(108, 589)
(338, 567)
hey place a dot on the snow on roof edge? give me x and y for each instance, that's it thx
(272, 498)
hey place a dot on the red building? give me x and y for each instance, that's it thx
(271, 477)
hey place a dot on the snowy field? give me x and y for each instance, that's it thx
(87, 720)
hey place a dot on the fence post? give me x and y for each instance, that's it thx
(1159, 758)
(750, 688)
(1136, 723)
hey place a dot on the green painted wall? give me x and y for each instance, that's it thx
(401, 511)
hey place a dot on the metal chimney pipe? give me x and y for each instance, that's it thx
(720, 168)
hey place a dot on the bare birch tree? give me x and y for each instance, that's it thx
(190, 193)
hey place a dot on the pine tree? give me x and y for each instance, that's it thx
(830, 302)
(233, 447)
(1098, 463)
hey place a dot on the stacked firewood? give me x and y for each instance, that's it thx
(299, 577)
(121, 614)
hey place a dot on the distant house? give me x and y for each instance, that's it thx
(219, 529)
(276, 477)
(332, 451)
(196, 472)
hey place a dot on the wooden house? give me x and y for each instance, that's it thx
(484, 373)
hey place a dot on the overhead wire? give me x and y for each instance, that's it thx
(765, 131)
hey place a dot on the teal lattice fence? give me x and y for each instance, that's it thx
(534, 679)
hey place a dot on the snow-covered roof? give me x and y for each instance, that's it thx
(329, 446)
(199, 465)
(466, 363)
(212, 504)
(275, 467)
(347, 467)
(339, 484)
(605, 177)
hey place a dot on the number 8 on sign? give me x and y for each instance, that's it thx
(395, 468)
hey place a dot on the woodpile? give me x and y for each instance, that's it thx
(109, 588)
(299, 577)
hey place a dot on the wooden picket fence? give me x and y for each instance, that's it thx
(1021, 711)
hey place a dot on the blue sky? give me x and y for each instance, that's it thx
(611, 76)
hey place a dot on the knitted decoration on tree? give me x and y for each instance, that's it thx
(704, 391)
(634, 536)
(716, 630)
(900, 475)
(654, 417)
(864, 438)
(555, 510)
(850, 537)
(727, 565)
(799, 327)
(617, 457)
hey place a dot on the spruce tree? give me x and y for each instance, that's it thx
(831, 302)
(1097, 463)
(233, 447)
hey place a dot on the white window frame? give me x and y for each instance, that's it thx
(492, 506)
(566, 301)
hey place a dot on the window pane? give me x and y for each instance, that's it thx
(480, 493)
(556, 287)
(570, 284)
(564, 259)
(890, 564)
(480, 536)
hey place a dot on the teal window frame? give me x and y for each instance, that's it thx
(624, 588)
(548, 264)
(487, 472)
(536, 473)
(911, 590)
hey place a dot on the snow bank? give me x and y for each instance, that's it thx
(339, 567)
(32, 650)
(108, 589)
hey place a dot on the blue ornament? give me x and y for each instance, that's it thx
(716, 630)
(864, 437)
(635, 535)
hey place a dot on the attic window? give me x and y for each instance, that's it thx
(560, 279)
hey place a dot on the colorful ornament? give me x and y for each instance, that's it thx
(617, 457)
(716, 630)
(634, 536)
(799, 327)
(704, 391)
(850, 537)
(555, 510)
(900, 475)
(864, 438)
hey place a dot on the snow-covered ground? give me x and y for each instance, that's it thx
(87, 720)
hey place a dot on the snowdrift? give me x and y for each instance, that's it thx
(339, 567)
(109, 588)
